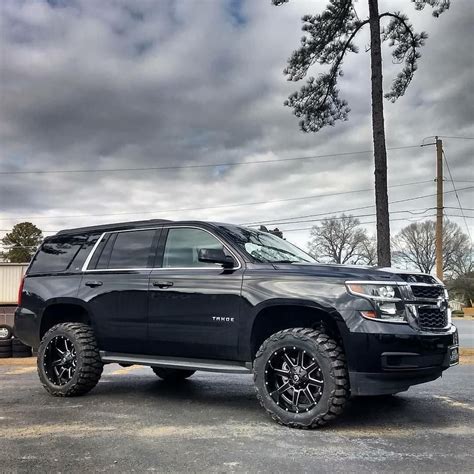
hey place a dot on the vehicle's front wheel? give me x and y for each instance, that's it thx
(173, 375)
(69, 363)
(301, 377)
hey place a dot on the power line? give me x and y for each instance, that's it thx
(457, 138)
(206, 165)
(362, 223)
(457, 195)
(410, 211)
(311, 215)
(374, 222)
(280, 221)
(216, 207)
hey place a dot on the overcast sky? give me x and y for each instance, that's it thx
(114, 84)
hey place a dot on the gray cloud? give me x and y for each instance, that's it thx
(184, 82)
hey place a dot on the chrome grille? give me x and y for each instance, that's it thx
(432, 318)
(430, 292)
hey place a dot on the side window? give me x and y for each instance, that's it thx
(56, 254)
(127, 250)
(103, 252)
(86, 248)
(182, 245)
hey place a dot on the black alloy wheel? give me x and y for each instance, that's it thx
(294, 379)
(69, 362)
(60, 360)
(301, 377)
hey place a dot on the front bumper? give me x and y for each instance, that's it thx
(395, 357)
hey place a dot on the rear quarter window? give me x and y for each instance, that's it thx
(56, 254)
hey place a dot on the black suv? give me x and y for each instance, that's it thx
(187, 296)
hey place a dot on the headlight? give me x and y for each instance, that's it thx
(387, 300)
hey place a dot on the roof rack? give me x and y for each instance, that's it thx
(113, 226)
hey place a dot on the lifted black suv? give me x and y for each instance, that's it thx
(187, 296)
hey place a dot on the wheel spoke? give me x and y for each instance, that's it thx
(288, 360)
(296, 397)
(56, 362)
(63, 369)
(311, 367)
(300, 358)
(309, 396)
(55, 369)
(281, 372)
(282, 389)
(316, 382)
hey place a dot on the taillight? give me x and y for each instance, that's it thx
(20, 291)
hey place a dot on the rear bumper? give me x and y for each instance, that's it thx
(27, 327)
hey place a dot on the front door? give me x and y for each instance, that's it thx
(194, 306)
(115, 286)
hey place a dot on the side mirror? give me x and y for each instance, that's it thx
(215, 256)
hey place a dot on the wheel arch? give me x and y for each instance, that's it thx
(63, 310)
(282, 314)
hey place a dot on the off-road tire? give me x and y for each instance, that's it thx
(6, 332)
(88, 362)
(172, 375)
(330, 357)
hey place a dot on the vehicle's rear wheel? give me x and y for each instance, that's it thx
(173, 375)
(69, 363)
(301, 378)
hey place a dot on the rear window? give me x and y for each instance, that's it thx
(56, 254)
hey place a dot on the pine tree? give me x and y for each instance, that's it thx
(21, 242)
(328, 37)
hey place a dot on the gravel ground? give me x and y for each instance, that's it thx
(133, 422)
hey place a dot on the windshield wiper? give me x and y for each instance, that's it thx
(283, 261)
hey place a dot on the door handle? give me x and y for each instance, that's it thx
(163, 284)
(93, 283)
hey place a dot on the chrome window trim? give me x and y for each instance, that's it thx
(91, 254)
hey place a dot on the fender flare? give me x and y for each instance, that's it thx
(248, 327)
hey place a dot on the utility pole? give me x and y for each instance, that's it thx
(439, 208)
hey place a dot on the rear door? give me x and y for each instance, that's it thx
(194, 306)
(115, 286)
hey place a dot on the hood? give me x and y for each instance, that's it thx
(355, 272)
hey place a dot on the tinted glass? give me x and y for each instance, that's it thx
(104, 251)
(132, 250)
(182, 245)
(56, 254)
(81, 256)
(266, 247)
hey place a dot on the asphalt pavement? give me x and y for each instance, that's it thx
(134, 422)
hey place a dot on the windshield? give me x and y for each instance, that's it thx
(265, 247)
